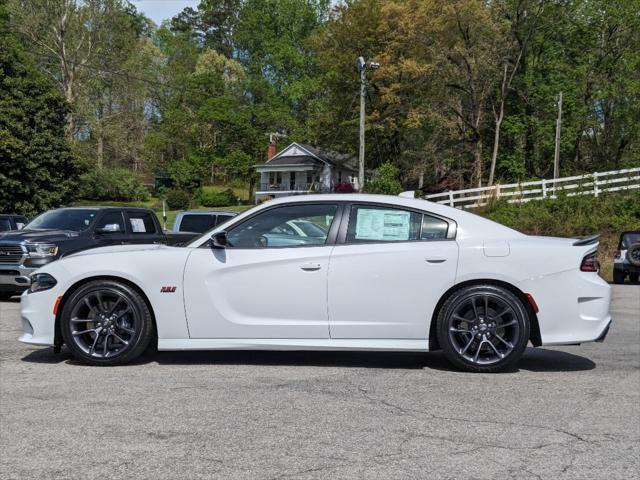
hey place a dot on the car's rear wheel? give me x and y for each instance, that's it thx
(106, 322)
(618, 277)
(483, 328)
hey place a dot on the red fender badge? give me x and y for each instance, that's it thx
(167, 289)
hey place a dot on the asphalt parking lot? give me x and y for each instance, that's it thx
(568, 412)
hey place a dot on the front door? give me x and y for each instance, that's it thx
(113, 229)
(388, 272)
(270, 281)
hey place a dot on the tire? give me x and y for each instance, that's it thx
(633, 255)
(106, 322)
(4, 296)
(618, 277)
(483, 328)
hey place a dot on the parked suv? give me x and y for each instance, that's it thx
(61, 232)
(627, 259)
(12, 222)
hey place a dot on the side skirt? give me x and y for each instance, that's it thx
(292, 344)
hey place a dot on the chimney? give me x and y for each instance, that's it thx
(271, 151)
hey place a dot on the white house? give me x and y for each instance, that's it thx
(301, 169)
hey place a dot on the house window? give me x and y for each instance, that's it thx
(309, 178)
(292, 180)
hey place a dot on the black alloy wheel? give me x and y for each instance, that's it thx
(106, 322)
(483, 328)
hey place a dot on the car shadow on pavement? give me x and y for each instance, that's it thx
(534, 359)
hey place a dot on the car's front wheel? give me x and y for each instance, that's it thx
(106, 322)
(483, 328)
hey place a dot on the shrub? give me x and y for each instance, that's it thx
(224, 198)
(115, 184)
(178, 199)
(385, 181)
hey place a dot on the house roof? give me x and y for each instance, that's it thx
(304, 154)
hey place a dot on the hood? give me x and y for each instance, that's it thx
(119, 249)
(48, 236)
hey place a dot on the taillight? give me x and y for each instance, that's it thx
(590, 263)
(617, 255)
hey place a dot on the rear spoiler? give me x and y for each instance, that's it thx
(583, 241)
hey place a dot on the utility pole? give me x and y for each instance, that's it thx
(556, 156)
(362, 67)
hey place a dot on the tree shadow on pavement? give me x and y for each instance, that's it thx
(534, 359)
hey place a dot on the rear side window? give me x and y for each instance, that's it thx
(141, 222)
(629, 239)
(388, 224)
(196, 223)
(382, 224)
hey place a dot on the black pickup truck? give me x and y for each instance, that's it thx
(61, 232)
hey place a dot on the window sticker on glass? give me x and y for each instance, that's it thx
(137, 225)
(388, 225)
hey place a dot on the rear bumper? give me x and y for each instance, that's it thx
(626, 267)
(574, 307)
(604, 333)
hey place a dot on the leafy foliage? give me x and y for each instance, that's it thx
(117, 184)
(178, 199)
(385, 181)
(224, 198)
(37, 169)
(463, 86)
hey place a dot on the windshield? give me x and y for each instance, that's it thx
(5, 225)
(75, 220)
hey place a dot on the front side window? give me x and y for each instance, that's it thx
(280, 227)
(388, 224)
(112, 221)
(141, 222)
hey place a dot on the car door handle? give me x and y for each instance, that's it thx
(435, 260)
(310, 267)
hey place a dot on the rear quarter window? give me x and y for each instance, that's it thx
(141, 223)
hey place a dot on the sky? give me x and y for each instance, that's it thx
(159, 10)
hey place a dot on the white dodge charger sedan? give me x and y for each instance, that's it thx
(328, 272)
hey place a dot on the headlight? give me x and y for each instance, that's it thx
(42, 249)
(41, 281)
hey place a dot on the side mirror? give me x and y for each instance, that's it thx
(219, 240)
(108, 228)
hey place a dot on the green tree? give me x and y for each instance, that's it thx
(37, 170)
(385, 181)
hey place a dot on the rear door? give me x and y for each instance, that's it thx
(142, 227)
(387, 272)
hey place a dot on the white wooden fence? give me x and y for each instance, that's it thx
(590, 184)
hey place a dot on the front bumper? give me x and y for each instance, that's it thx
(38, 320)
(15, 278)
